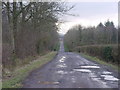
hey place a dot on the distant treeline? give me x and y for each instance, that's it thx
(29, 29)
(98, 41)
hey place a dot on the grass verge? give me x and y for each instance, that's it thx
(115, 67)
(57, 46)
(66, 48)
(19, 74)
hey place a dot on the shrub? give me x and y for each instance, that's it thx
(108, 53)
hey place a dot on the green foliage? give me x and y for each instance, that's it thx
(107, 52)
(56, 46)
(66, 48)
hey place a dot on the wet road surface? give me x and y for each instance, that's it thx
(70, 70)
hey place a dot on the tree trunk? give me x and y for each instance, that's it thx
(14, 26)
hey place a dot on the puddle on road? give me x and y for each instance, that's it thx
(92, 75)
(61, 72)
(96, 79)
(47, 82)
(62, 59)
(100, 81)
(71, 72)
(62, 65)
(78, 56)
(106, 72)
(110, 77)
(73, 79)
(90, 67)
(83, 70)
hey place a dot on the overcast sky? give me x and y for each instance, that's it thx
(90, 14)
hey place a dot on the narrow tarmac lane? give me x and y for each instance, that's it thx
(70, 70)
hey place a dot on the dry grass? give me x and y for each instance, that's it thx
(16, 77)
